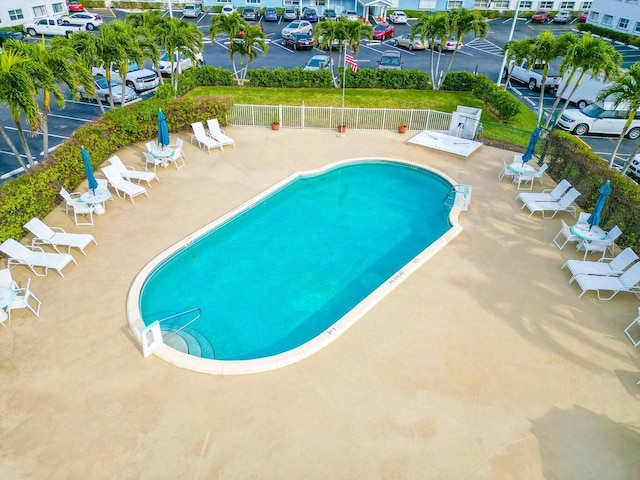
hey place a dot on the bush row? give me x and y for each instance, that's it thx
(627, 38)
(296, 77)
(36, 194)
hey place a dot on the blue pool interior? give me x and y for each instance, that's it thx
(283, 271)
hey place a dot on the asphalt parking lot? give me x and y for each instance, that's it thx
(480, 56)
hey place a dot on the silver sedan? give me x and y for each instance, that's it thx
(102, 89)
(415, 44)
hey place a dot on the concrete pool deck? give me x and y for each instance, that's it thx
(483, 364)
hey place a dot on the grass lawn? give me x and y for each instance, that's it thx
(517, 132)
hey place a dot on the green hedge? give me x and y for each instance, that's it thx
(611, 34)
(36, 194)
(296, 77)
(570, 158)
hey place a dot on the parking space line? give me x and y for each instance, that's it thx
(39, 133)
(75, 119)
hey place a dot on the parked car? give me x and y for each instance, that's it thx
(228, 10)
(299, 26)
(329, 14)
(415, 44)
(318, 62)
(250, 13)
(310, 15)
(634, 167)
(74, 6)
(583, 16)
(137, 78)
(563, 16)
(270, 14)
(390, 60)
(298, 41)
(540, 17)
(596, 118)
(102, 90)
(449, 44)
(164, 65)
(9, 35)
(90, 21)
(290, 13)
(191, 10)
(398, 17)
(383, 31)
(351, 15)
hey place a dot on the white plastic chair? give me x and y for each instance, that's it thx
(34, 257)
(77, 207)
(547, 195)
(627, 282)
(24, 296)
(218, 134)
(130, 173)
(151, 145)
(565, 232)
(156, 162)
(178, 157)
(506, 171)
(57, 237)
(615, 267)
(562, 205)
(528, 177)
(636, 321)
(122, 187)
(604, 246)
(202, 138)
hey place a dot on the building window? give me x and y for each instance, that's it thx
(292, 3)
(586, 5)
(545, 5)
(16, 14)
(637, 29)
(607, 19)
(58, 8)
(481, 4)
(593, 16)
(567, 5)
(501, 4)
(451, 4)
(253, 1)
(623, 23)
(39, 11)
(525, 4)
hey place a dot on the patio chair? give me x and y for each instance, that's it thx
(565, 232)
(627, 282)
(218, 134)
(77, 207)
(583, 217)
(156, 162)
(604, 246)
(562, 205)
(506, 171)
(24, 296)
(151, 146)
(547, 195)
(122, 187)
(57, 237)
(34, 257)
(636, 321)
(178, 157)
(613, 268)
(528, 177)
(202, 138)
(131, 174)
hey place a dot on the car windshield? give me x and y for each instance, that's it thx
(310, 11)
(315, 62)
(380, 28)
(101, 83)
(133, 67)
(592, 110)
(390, 61)
(270, 10)
(294, 25)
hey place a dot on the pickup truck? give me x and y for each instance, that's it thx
(137, 78)
(50, 26)
(532, 77)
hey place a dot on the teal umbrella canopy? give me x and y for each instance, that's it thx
(533, 140)
(596, 217)
(163, 130)
(86, 159)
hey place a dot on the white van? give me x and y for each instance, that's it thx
(595, 118)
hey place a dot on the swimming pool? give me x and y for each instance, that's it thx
(285, 273)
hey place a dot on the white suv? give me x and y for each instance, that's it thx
(185, 62)
(597, 119)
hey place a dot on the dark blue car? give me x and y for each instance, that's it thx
(270, 14)
(310, 15)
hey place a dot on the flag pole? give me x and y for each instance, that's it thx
(344, 80)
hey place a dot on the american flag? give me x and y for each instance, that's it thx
(349, 60)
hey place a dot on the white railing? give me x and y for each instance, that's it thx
(330, 117)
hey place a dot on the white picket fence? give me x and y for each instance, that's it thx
(330, 117)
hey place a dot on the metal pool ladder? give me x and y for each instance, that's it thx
(151, 335)
(459, 196)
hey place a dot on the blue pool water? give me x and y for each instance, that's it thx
(280, 273)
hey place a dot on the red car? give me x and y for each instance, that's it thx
(74, 6)
(583, 17)
(383, 31)
(540, 16)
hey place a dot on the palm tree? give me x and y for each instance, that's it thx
(625, 91)
(426, 29)
(463, 22)
(516, 51)
(232, 25)
(18, 92)
(327, 33)
(253, 41)
(150, 20)
(109, 51)
(545, 50)
(354, 31)
(178, 38)
(588, 55)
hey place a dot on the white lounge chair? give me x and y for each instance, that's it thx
(562, 205)
(604, 246)
(131, 174)
(202, 138)
(34, 257)
(565, 232)
(218, 134)
(547, 195)
(24, 297)
(506, 171)
(627, 282)
(122, 187)
(73, 203)
(613, 268)
(57, 237)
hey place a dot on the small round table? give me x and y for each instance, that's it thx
(96, 197)
(6, 297)
(163, 154)
(521, 167)
(587, 232)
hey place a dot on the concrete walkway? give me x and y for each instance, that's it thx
(483, 364)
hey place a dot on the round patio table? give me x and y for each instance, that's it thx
(587, 232)
(97, 198)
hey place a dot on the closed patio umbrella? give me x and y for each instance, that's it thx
(163, 130)
(535, 135)
(595, 217)
(86, 159)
